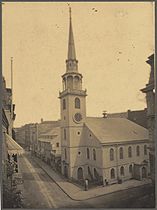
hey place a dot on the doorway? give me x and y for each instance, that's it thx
(80, 173)
(144, 172)
(66, 171)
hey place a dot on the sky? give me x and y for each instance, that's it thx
(112, 42)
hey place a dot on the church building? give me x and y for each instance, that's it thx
(106, 150)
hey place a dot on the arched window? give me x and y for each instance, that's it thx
(89, 172)
(145, 149)
(94, 154)
(76, 82)
(122, 171)
(138, 150)
(96, 175)
(65, 152)
(77, 103)
(129, 152)
(112, 173)
(80, 173)
(130, 169)
(111, 154)
(64, 104)
(121, 153)
(88, 153)
(64, 83)
(70, 82)
(64, 133)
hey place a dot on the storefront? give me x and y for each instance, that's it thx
(13, 151)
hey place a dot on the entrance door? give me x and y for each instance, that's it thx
(96, 175)
(144, 172)
(80, 173)
(65, 171)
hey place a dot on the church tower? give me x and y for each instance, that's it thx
(73, 112)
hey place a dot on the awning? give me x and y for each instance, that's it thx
(12, 146)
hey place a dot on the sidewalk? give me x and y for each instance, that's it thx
(78, 193)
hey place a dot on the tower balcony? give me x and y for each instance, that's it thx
(73, 92)
(72, 73)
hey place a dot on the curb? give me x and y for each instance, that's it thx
(55, 181)
(90, 197)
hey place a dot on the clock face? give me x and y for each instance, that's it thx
(78, 117)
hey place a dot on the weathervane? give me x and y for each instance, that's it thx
(69, 10)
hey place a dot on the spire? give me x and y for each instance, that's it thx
(71, 45)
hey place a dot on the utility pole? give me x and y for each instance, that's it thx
(12, 78)
(12, 106)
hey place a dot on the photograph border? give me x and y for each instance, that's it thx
(1, 65)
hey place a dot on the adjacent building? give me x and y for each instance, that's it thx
(10, 149)
(149, 90)
(137, 116)
(49, 147)
(27, 135)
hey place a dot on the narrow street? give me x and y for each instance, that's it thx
(40, 191)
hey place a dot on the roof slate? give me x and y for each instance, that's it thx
(109, 130)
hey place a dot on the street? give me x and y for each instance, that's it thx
(40, 191)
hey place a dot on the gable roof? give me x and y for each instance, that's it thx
(109, 130)
(54, 132)
(46, 126)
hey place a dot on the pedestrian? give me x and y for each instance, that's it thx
(104, 183)
(86, 184)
